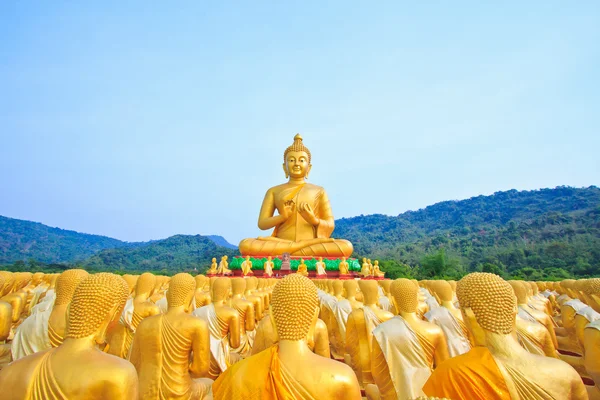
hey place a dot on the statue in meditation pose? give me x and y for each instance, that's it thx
(224, 267)
(405, 348)
(77, 369)
(268, 268)
(213, 267)
(498, 367)
(247, 266)
(302, 268)
(365, 270)
(171, 351)
(304, 222)
(376, 271)
(289, 370)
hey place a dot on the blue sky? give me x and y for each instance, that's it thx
(147, 119)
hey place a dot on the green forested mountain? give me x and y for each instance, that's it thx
(547, 233)
(174, 254)
(24, 240)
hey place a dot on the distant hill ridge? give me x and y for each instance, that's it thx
(24, 240)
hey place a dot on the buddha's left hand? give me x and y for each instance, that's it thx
(308, 214)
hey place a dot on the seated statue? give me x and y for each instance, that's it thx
(498, 367)
(289, 370)
(5, 325)
(268, 268)
(223, 326)
(344, 267)
(247, 266)
(171, 351)
(320, 268)
(43, 330)
(213, 267)
(121, 336)
(247, 319)
(304, 222)
(202, 295)
(359, 331)
(254, 298)
(591, 342)
(405, 347)
(376, 271)
(302, 268)
(224, 267)
(77, 369)
(365, 271)
(13, 283)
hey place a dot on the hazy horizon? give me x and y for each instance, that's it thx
(138, 121)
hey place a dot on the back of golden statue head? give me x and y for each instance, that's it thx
(369, 291)
(251, 283)
(386, 284)
(98, 299)
(491, 299)
(294, 304)
(405, 295)
(131, 281)
(592, 287)
(9, 281)
(520, 291)
(200, 281)
(351, 287)
(238, 286)
(338, 287)
(66, 284)
(220, 289)
(442, 289)
(146, 284)
(181, 290)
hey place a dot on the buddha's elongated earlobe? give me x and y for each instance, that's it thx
(285, 171)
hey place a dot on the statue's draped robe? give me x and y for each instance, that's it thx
(454, 329)
(408, 355)
(32, 335)
(473, 375)
(262, 376)
(386, 304)
(221, 358)
(246, 341)
(44, 385)
(170, 350)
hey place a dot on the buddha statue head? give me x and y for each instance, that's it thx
(386, 285)
(97, 302)
(541, 285)
(200, 281)
(369, 291)
(247, 258)
(520, 291)
(22, 279)
(181, 291)
(567, 287)
(9, 281)
(261, 284)
(404, 296)
(296, 160)
(66, 284)
(220, 289)
(592, 289)
(214, 260)
(147, 284)
(36, 279)
(338, 288)
(131, 281)
(442, 289)
(294, 306)
(238, 286)
(329, 286)
(350, 287)
(488, 304)
(452, 285)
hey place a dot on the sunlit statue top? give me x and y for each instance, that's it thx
(304, 221)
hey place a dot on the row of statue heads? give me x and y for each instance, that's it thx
(222, 337)
(369, 269)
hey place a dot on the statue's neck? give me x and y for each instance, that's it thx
(73, 345)
(236, 296)
(292, 348)
(504, 346)
(297, 181)
(219, 302)
(141, 297)
(449, 305)
(409, 317)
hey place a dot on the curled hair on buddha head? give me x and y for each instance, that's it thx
(592, 287)
(405, 295)
(520, 291)
(181, 290)
(294, 304)
(442, 289)
(146, 283)
(66, 284)
(491, 299)
(220, 289)
(238, 285)
(96, 298)
(298, 145)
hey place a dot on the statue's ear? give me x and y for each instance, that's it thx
(285, 171)
(308, 170)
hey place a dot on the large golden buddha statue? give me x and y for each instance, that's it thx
(304, 222)
(77, 369)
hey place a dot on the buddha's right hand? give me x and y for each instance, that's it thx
(288, 209)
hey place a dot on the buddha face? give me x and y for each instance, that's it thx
(296, 165)
(214, 260)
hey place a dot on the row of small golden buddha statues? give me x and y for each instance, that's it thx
(80, 336)
(369, 269)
